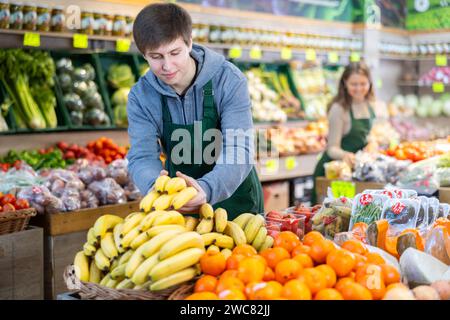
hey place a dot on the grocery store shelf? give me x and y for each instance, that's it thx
(288, 124)
(285, 168)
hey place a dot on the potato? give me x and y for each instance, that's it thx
(426, 293)
(443, 288)
(399, 294)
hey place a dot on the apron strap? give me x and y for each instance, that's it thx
(165, 110)
(209, 108)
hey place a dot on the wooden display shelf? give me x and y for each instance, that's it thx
(444, 195)
(285, 168)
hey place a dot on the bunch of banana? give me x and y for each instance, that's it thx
(254, 229)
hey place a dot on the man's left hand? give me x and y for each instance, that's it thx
(193, 206)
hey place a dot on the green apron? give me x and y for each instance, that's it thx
(353, 141)
(248, 197)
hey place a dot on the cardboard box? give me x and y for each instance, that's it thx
(444, 195)
(276, 196)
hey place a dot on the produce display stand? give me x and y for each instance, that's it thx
(64, 235)
(322, 185)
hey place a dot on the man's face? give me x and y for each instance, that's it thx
(170, 62)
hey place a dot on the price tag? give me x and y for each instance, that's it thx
(355, 57)
(441, 60)
(271, 166)
(255, 53)
(311, 55)
(80, 41)
(290, 163)
(123, 45)
(333, 57)
(343, 189)
(235, 52)
(438, 87)
(286, 53)
(32, 39)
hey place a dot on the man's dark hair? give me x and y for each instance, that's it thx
(161, 23)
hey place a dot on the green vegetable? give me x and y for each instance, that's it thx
(120, 96)
(36, 159)
(121, 76)
(120, 116)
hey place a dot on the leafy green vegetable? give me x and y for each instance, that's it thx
(120, 96)
(121, 76)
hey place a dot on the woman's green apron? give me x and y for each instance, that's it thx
(248, 197)
(353, 141)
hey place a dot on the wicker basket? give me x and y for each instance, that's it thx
(182, 292)
(93, 291)
(14, 221)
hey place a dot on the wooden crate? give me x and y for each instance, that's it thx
(276, 196)
(322, 185)
(22, 265)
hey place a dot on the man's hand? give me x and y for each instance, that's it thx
(349, 158)
(193, 206)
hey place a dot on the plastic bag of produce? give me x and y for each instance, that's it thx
(71, 199)
(41, 199)
(437, 243)
(88, 199)
(433, 210)
(367, 208)
(92, 173)
(108, 191)
(118, 170)
(443, 174)
(337, 170)
(132, 192)
(444, 209)
(401, 214)
(422, 215)
(421, 177)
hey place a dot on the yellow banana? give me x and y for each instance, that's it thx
(190, 223)
(145, 286)
(91, 239)
(183, 197)
(105, 223)
(175, 185)
(153, 245)
(105, 279)
(260, 238)
(178, 262)
(206, 211)
(210, 237)
(147, 222)
(174, 279)
(213, 249)
(136, 259)
(108, 246)
(160, 183)
(225, 242)
(180, 243)
(139, 240)
(154, 231)
(118, 272)
(112, 283)
(95, 274)
(114, 264)
(205, 226)
(129, 237)
(220, 219)
(226, 253)
(117, 238)
(101, 260)
(163, 202)
(170, 217)
(125, 284)
(125, 257)
(140, 276)
(253, 226)
(131, 223)
(89, 250)
(81, 266)
(268, 243)
(146, 203)
(234, 231)
(242, 219)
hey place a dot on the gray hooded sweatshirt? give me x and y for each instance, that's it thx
(145, 127)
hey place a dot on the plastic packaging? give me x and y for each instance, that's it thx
(40, 198)
(132, 192)
(433, 210)
(71, 199)
(118, 170)
(88, 199)
(444, 209)
(421, 177)
(422, 216)
(367, 208)
(401, 214)
(108, 191)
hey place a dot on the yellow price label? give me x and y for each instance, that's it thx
(32, 39)
(333, 57)
(343, 189)
(123, 45)
(311, 55)
(80, 41)
(290, 163)
(355, 57)
(438, 87)
(271, 166)
(286, 53)
(235, 52)
(441, 60)
(255, 53)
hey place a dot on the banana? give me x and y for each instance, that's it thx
(95, 274)
(140, 276)
(233, 230)
(91, 239)
(175, 185)
(170, 217)
(183, 197)
(81, 265)
(125, 284)
(89, 249)
(260, 238)
(160, 183)
(153, 245)
(224, 242)
(205, 226)
(139, 240)
(131, 223)
(112, 283)
(114, 264)
(174, 279)
(226, 253)
(105, 279)
(190, 223)
(130, 236)
(117, 239)
(178, 262)
(108, 246)
(213, 249)
(101, 260)
(253, 226)
(146, 203)
(220, 219)
(147, 222)
(180, 243)
(152, 232)
(206, 211)
(118, 272)
(136, 259)
(163, 202)
(105, 223)
(268, 243)
(125, 257)
(143, 286)
(210, 238)
(243, 219)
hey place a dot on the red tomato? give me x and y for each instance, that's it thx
(22, 204)
(8, 207)
(8, 198)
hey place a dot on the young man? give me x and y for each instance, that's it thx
(190, 89)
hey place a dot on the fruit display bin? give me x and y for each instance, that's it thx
(15, 221)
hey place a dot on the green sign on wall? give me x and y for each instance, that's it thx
(428, 14)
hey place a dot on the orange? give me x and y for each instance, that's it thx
(352, 275)
(311, 237)
(274, 255)
(390, 274)
(300, 249)
(296, 290)
(233, 261)
(305, 260)
(250, 289)
(286, 270)
(375, 258)
(342, 261)
(206, 283)
(229, 273)
(330, 275)
(260, 258)
(355, 291)
(360, 260)
(267, 290)
(368, 269)
(231, 294)
(251, 269)
(287, 240)
(203, 296)
(396, 285)
(342, 282)
(320, 250)
(229, 283)
(328, 294)
(314, 279)
(375, 284)
(269, 274)
(245, 250)
(355, 246)
(213, 263)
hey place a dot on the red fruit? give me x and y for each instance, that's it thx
(69, 155)
(17, 164)
(8, 207)
(22, 204)
(51, 149)
(62, 145)
(8, 198)
(1, 209)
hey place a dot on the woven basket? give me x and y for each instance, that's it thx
(14, 221)
(182, 292)
(93, 291)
